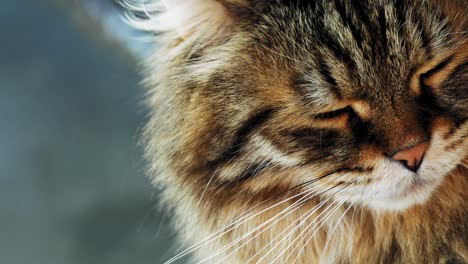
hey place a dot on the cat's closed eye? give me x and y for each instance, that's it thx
(348, 110)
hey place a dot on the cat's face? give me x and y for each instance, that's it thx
(373, 99)
(362, 101)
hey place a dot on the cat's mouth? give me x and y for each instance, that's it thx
(420, 185)
(400, 187)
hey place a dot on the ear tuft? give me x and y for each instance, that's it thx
(208, 19)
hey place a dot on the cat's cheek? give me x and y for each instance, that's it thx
(447, 150)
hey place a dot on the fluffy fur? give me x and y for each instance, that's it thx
(273, 125)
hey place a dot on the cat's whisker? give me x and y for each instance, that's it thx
(223, 231)
(206, 188)
(353, 227)
(236, 224)
(327, 212)
(213, 175)
(316, 224)
(353, 223)
(245, 217)
(308, 214)
(333, 231)
(299, 186)
(239, 221)
(296, 205)
(311, 191)
(288, 88)
(245, 214)
(290, 208)
(313, 210)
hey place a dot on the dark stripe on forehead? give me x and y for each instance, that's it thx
(383, 31)
(373, 22)
(348, 22)
(401, 10)
(328, 41)
(422, 18)
(426, 39)
(241, 136)
(360, 9)
(324, 70)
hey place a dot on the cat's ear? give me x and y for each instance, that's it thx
(206, 18)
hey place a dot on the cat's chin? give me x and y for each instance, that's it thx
(400, 189)
(417, 193)
(399, 204)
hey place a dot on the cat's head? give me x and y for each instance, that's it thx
(363, 101)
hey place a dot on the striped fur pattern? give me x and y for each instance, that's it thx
(273, 122)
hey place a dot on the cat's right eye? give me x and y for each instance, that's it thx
(334, 114)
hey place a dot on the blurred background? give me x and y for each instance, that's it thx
(72, 185)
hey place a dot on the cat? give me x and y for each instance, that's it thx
(326, 131)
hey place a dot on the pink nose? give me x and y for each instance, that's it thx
(412, 157)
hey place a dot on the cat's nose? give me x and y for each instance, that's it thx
(412, 157)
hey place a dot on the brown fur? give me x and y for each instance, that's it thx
(255, 102)
(434, 233)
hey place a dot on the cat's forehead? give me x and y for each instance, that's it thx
(355, 48)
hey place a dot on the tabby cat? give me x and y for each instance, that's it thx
(321, 131)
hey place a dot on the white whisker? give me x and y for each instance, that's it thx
(206, 188)
(333, 231)
(293, 206)
(314, 227)
(291, 210)
(309, 228)
(308, 215)
(223, 231)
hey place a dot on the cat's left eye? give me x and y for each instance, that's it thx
(433, 77)
(334, 114)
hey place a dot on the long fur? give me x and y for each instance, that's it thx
(264, 154)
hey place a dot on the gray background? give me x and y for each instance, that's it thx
(72, 188)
